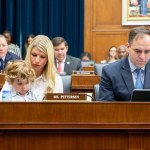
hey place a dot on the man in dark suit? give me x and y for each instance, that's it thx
(120, 78)
(5, 56)
(65, 63)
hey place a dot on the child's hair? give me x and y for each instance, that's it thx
(19, 69)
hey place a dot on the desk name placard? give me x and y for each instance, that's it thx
(64, 96)
(83, 72)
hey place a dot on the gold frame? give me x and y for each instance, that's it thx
(131, 16)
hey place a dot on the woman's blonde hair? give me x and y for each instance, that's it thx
(19, 69)
(44, 44)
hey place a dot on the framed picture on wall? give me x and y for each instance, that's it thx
(135, 12)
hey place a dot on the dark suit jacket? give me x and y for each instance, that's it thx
(117, 82)
(71, 63)
(10, 56)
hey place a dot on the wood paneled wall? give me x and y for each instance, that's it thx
(103, 27)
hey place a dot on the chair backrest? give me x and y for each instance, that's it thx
(87, 63)
(66, 83)
(96, 91)
(98, 68)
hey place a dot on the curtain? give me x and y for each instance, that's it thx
(49, 17)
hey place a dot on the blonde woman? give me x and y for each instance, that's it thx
(40, 56)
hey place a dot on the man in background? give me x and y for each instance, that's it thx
(12, 47)
(5, 55)
(122, 51)
(65, 63)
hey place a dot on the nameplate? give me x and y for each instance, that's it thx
(63, 96)
(83, 72)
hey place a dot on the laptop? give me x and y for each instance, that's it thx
(140, 95)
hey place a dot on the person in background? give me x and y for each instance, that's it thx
(65, 63)
(134, 2)
(5, 55)
(112, 55)
(122, 51)
(86, 60)
(133, 72)
(85, 56)
(12, 47)
(40, 56)
(19, 76)
(28, 41)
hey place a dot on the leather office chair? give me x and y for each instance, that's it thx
(98, 68)
(66, 83)
(96, 91)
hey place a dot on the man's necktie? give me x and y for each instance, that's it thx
(138, 83)
(1, 64)
(59, 68)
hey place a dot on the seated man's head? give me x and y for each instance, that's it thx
(19, 74)
(3, 46)
(139, 46)
(8, 36)
(122, 51)
(60, 48)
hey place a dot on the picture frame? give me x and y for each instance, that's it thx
(135, 12)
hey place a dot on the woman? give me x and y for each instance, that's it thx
(112, 55)
(28, 41)
(40, 56)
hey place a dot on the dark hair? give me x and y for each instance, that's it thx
(87, 54)
(137, 32)
(30, 35)
(8, 32)
(26, 40)
(58, 40)
(121, 47)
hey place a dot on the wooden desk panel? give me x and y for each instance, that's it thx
(88, 68)
(84, 81)
(95, 125)
(2, 80)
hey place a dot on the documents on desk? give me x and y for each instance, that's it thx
(68, 96)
